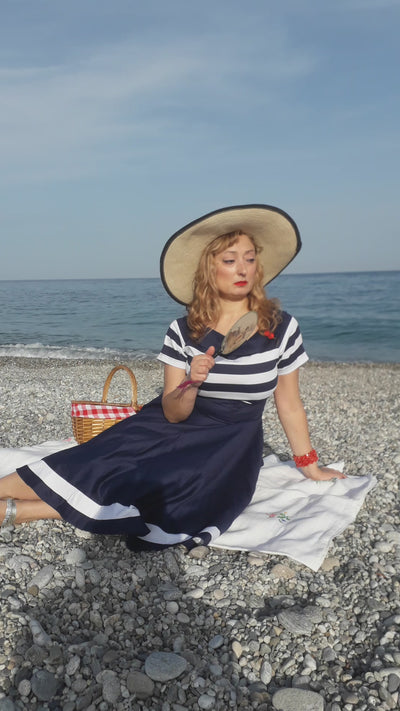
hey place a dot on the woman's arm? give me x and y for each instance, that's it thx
(294, 422)
(178, 403)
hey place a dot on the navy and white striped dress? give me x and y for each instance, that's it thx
(162, 483)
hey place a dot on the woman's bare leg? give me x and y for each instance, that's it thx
(13, 487)
(30, 511)
(29, 505)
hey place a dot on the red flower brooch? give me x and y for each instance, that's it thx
(269, 334)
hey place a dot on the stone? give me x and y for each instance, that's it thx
(24, 687)
(44, 685)
(206, 702)
(266, 672)
(172, 607)
(216, 642)
(258, 692)
(296, 622)
(139, 684)
(255, 560)
(42, 578)
(199, 553)
(195, 594)
(111, 687)
(171, 563)
(40, 637)
(237, 649)
(328, 654)
(297, 700)
(282, 572)
(393, 683)
(36, 655)
(163, 666)
(383, 546)
(76, 556)
(73, 665)
(329, 563)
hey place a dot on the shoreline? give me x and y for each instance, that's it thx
(104, 611)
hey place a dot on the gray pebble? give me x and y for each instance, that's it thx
(183, 618)
(329, 563)
(283, 572)
(140, 685)
(24, 687)
(393, 683)
(266, 672)
(297, 700)
(172, 607)
(43, 577)
(80, 578)
(196, 593)
(76, 556)
(163, 666)
(296, 622)
(206, 702)
(216, 642)
(328, 654)
(199, 552)
(73, 665)
(111, 687)
(383, 546)
(40, 637)
(171, 563)
(44, 685)
(349, 697)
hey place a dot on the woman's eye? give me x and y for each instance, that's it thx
(228, 261)
(251, 260)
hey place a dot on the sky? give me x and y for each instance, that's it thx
(123, 120)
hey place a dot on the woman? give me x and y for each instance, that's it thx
(183, 469)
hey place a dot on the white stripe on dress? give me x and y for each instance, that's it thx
(222, 382)
(158, 535)
(79, 501)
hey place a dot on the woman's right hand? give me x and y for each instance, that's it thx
(201, 366)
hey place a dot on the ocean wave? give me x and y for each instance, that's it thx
(40, 350)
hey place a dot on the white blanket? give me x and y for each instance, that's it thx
(289, 515)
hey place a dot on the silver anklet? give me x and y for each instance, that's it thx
(11, 513)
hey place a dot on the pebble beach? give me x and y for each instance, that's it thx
(87, 625)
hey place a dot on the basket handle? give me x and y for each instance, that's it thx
(132, 379)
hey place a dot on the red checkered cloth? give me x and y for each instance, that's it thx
(100, 411)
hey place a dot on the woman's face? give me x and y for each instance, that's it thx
(235, 269)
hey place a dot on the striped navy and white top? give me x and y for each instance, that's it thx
(248, 373)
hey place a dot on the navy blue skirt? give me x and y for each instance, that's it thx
(158, 482)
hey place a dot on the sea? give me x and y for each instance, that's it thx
(345, 317)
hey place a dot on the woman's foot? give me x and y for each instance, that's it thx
(8, 513)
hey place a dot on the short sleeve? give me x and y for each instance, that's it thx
(292, 353)
(173, 350)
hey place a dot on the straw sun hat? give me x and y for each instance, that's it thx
(272, 229)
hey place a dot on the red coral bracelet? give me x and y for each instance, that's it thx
(306, 459)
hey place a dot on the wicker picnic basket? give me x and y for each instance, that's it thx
(91, 418)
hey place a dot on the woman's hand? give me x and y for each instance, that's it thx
(322, 473)
(180, 393)
(201, 366)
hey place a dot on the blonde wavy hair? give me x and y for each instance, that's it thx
(204, 309)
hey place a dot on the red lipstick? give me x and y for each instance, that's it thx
(240, 283)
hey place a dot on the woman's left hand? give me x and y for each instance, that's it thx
(322, 473)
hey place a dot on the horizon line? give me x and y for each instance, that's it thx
(293, 274)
